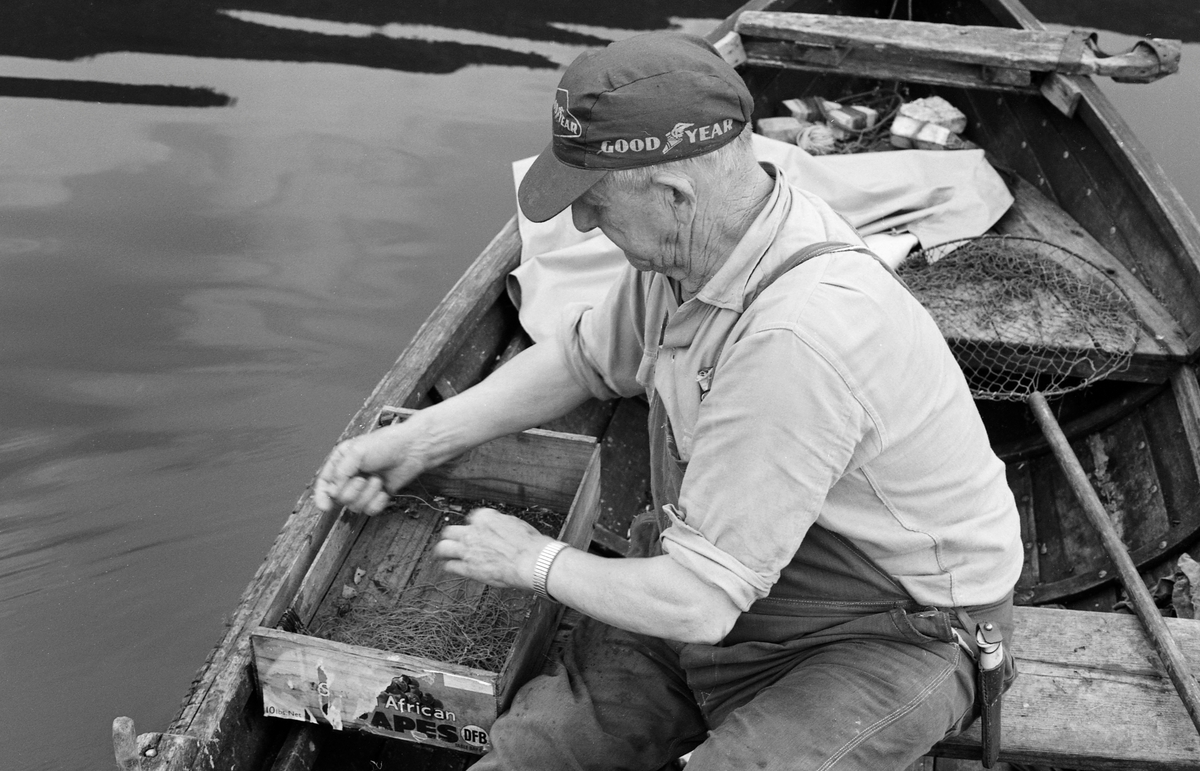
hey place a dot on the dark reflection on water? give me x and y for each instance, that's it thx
(115, 93)
(194, 302)
(1179, 19)
(283, 29)
(72, 29)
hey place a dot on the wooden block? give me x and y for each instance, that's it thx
(810, 109)
(730, 48)
(125, 745)
(851, 120)
(908, 132)
(783, 128)
(1063, 92)
(935, 110)
(1006, 76)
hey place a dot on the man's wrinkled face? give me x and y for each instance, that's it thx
(642, 223)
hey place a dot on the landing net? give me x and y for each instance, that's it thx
(1023, 315)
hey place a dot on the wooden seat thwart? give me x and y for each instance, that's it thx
(994, 58)
(1091, 694)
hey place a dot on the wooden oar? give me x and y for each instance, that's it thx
(1168, 650)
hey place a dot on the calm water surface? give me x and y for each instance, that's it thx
(194, 301)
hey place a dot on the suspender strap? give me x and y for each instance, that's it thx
(802, 256)
(704, 377)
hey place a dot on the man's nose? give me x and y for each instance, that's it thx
(583, 216)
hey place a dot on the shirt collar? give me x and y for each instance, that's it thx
(727, 288)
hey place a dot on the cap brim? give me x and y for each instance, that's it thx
(551, 186)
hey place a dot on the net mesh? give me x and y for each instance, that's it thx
(437, 622)
(1023, 315)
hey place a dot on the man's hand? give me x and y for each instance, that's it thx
(361, 473)
(532, 389)
(493, 548)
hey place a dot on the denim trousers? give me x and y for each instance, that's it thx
(873, 699)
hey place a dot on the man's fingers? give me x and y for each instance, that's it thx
(365, 493)
(456, 567)
(481, 515)
(378, 503)
(382, 458)
(448, 550)
(451, 545)
(348, 491)
(330, 488)
(321, 497)
(341, 466)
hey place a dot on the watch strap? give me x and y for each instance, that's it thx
(541, 568)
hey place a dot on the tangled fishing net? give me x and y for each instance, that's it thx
(439, 623)
(447, 619)
(1023, 315)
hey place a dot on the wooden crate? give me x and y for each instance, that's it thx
(371, 560)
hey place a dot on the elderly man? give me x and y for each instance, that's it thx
(829, 515)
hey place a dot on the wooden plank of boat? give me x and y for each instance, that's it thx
(987, 57)
(1091, 694)
(1144, 464)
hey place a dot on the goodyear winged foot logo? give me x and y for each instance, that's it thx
(675, 136)
(565, 124)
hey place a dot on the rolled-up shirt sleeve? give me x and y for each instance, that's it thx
(690, 548)
(604, 345)
(780, 426)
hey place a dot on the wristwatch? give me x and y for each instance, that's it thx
(541, 568)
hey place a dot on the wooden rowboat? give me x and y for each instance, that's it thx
(1092, 694)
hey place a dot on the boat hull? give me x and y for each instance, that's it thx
(1140, 439)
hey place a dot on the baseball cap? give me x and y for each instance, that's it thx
(651, 98)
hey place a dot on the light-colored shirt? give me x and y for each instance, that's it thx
(835, 401)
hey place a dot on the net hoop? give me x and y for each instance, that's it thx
(1023, 315)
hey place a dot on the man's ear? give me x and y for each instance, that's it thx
(680, 192)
